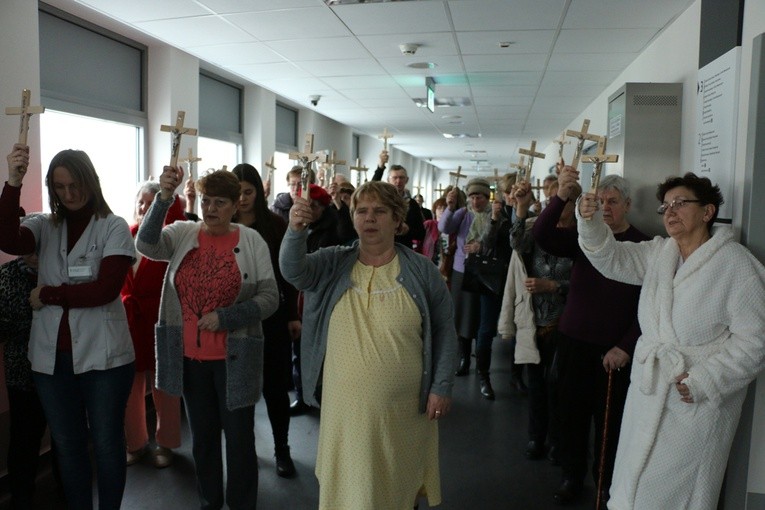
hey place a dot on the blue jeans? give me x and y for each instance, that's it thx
(72, 402)
(204, 393)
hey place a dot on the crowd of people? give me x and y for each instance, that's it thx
(362, 302)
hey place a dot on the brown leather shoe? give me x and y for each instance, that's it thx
(162, 457)
(135, 456)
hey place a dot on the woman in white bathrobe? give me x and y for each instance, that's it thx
(702, 314)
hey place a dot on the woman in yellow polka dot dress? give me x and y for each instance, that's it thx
(381, 357)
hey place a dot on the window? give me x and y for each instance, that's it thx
(283, 164)
(94, 91)
(87, 65)
(216, 153)
(113, 147)
(286, 128)
(220, 107)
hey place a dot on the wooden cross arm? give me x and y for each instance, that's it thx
(600, 158)
(582, 136)
(183, 131)
(532, 153)
(29, 110)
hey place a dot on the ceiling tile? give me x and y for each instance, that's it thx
(391, 92)
(200, 31)
(502, 100)
(590, 61)
(509, 63)
(231, 6)
(444, 65)
(348, 68)
(431, 44)
(523, 41)
(394, 17)
(511, 78)
(494, 91)
(506, 15)
(602, 78)
(607, 40)
(327, 48)
(359, 82)
(145, 10)
(239, 53)
(276, 25)
(623, 13)
(261, 72)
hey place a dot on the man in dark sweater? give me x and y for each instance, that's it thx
(598, 331)
(414, 222)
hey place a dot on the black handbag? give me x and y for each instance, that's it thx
(484, 274)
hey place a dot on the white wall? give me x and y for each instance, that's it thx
(754, 25)
(259, 127)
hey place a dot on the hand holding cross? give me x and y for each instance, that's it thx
(171, 177)
(18, 162)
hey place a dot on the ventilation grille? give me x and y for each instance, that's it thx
(653, 100)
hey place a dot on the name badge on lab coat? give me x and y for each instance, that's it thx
(77, 272)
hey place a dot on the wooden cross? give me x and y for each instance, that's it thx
(581, 136)
(538, 187)
(561, 141)
(191, 160)
(598, 159)
(384, 137)
(532, 153)
(176, 131)
(439, 190)
(418, 188)
(522, 169)
(306, 158)
(332, 162)
(359, 169)
(459, 175)
(495, 180)
(270, 175)
(26, 112)
(224, 168)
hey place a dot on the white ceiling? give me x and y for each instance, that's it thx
(564, 54)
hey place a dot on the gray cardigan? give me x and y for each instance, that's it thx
(325, 276)
(258, 298)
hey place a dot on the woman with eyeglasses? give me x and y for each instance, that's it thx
(702, 315)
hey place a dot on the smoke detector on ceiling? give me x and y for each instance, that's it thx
(408, 48)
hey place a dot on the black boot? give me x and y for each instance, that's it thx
(284, 465)
(516, 379)
(465, 348)
(482, 363)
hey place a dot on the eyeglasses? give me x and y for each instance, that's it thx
(677, 203)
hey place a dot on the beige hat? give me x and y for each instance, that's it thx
(478, 185)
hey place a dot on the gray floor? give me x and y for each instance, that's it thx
(482, 462)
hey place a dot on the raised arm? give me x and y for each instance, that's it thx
(624, 262)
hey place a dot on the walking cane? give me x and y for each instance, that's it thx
(604, 440)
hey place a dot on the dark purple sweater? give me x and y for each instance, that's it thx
(598, 310)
